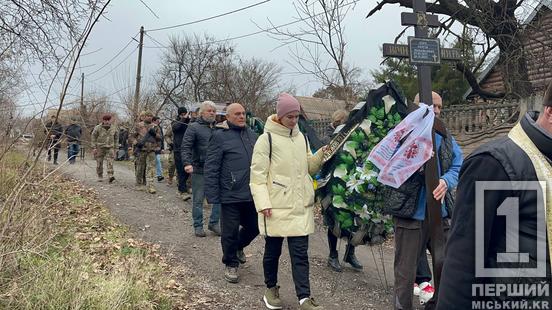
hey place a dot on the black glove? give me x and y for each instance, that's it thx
(151, 131)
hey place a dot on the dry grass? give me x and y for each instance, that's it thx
(60, 249)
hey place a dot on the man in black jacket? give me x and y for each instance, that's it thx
(178, 128)
(73, 133)
(123, 143)
(194, 152)
(504, 226)
(54, 130)
(227, 182)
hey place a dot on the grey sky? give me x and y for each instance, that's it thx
(364, 36)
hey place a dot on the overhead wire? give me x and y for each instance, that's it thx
(263, 30)
(211, 17)
(147, 6)
(114, 57)
(119, 64)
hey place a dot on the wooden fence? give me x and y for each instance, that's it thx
(473, 124)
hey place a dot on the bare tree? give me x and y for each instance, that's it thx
(38, 30)
(496, 23)
(318, 47)
(186, 66)
(249, 82)
(149, 100)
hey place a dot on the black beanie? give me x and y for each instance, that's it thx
(182, 110)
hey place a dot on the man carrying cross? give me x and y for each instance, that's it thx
(425, 222)
(412, 231)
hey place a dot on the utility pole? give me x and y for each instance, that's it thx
(139, 70)
(82, 90)
(83, 111)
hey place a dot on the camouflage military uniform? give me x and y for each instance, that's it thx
(146, 144)
(105, 140)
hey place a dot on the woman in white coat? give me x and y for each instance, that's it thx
(283, 192)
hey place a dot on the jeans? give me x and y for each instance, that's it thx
(298, 253)
(72, 151)
(198, 195)
(233, 237)
(158, 167)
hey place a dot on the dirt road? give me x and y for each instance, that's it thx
(166, 220)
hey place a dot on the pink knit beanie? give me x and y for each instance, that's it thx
(286, 104)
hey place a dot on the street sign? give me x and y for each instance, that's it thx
(402, 51)
(424, 51)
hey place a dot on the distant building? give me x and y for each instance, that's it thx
(320, 108)
(537, 43)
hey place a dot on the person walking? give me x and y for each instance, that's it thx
(519, 168)
(194, 152)
(283, 192)
(158, 166)
(146, 139)
(169, 142)
(123, 142)
(339, 117)
(73, 133)
(422, 285)
(54, 131)
(227, 170)
(178, 128)
(105, 139)
(410, 220)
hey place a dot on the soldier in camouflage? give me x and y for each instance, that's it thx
(105, 139)
(146, 140)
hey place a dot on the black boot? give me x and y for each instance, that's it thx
(333, 262)
(350, 258)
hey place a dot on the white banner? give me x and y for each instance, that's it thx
(398, 161)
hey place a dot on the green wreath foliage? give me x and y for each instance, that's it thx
(357, 200)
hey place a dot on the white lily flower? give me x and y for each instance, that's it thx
(366, 175)
(340, 172)
(353, 184)
(389, 102)
(349, 147)
(365, 125)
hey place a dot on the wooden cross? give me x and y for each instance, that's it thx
(425, 52)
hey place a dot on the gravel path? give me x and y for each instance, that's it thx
(166, 220)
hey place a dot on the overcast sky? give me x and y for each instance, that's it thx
(124, 18)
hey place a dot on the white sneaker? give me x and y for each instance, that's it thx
(416, 289)
(426, 292)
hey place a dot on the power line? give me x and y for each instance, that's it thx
(262, 30)
(212, 17)
(160, 45)
(152, 12)
(114, 57)
(131, 53)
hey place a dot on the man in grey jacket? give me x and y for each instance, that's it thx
(194, 153)
(227, 182)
